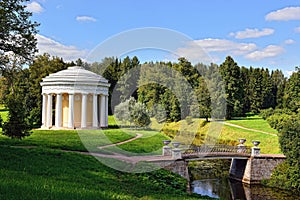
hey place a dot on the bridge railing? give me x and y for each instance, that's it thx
(217, 148)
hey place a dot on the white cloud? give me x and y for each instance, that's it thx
(206, 50)
(54, 48)
(285, 14)
(252, 33)
(85, 19)
(297, 29)
(289, 41)
(34, 7)
(269, 51)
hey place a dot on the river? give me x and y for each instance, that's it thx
(227, 189)
(210, 179)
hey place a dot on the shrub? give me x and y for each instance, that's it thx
(132, 112)
(287, 175)
(277, 121)
(266, 113)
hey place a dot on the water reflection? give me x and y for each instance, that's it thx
(232, 190)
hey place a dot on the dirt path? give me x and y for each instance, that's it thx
(127, 158)
(123, 142)
(249, 129)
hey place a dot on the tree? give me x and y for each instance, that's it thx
(128, 82)
(17, 47)
(279, 83)
(17, 32)
(255, 88)
(287, 175)
(267, 95)
(42, 66)
(140, 115)
(17, 125)
(292, 91)
(202, 108)
(287, 122)
(230, 72)
(132, 112)
(245, 77)
(121, 112)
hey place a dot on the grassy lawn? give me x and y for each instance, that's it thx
(111, 121)
(3, 112)
(253, 122)
(269, 144)
(50, 174)
(68, 139)
(149, 143)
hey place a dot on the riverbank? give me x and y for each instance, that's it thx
(211, 178)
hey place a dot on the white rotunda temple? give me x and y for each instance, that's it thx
(74, 98)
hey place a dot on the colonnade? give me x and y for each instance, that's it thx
(97, 112)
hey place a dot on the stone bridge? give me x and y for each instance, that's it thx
(247, 165)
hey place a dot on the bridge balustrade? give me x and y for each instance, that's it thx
(215, 149)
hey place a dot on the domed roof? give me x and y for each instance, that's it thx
(75, 75)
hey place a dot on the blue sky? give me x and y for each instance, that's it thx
(258, 33)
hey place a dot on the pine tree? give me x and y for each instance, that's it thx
(279, 83)
(292, 91)
(230, 72)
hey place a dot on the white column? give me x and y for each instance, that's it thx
(83, 110)
(102, 112)
(44, 110)
(58, 111)
(49, 111)
(71, 111)
(95, 111)
(106, 111)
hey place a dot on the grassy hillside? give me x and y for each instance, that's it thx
(269, 143)
(254, 122)
(228, 134)
(37, 168)
(50, 174)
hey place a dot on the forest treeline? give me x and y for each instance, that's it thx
(171, 86)
(171, 90)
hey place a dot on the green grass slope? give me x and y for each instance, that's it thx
(269, 143)
(68, 139)
(260, 130)
(51, 174)
(253, 122)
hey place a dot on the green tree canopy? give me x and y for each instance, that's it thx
(230, 72)
(17, 32)
(42, 66)
(292, 91)
(17, 47)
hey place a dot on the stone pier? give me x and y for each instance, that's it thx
(261, 167)
(254, 169)
(178, 167)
